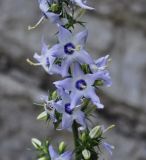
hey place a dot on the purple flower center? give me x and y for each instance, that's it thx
(81, 84)
(69, 48)
(68, 109)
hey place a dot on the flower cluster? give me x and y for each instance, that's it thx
(69, 106)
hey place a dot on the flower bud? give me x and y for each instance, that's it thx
(86, 154)
(36, 143)
(95, 132)
(42, 116)
(54, 95)
(42, 158)
(62, 147)
(83, 137)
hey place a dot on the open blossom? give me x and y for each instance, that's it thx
(81, 85)
(71, 48)
(49, 107)
(47, 61)
(50, 10)
(55, 156)
(69, 114)
(82, 4)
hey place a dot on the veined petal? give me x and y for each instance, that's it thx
(64, 35)
(82, 5)
(66, 84)
(43, 4)
(108, 147)
(94, 98)
(65, 67)
(54, 18)
(59, 107)
(75, 97)
(76, 70)
(66, 121)
(37, 57)
(66, 155)
(53, 153)
(81, 38)
(79, 117)
(101, 62)
(83, 57)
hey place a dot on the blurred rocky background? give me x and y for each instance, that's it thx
(118, 28)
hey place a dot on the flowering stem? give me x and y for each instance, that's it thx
(75, 136)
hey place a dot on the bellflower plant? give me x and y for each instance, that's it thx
(76, 98)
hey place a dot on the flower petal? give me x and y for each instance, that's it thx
(53, 153)
(79, 117)
(66, 121)
(82, 5)
(65, 84)
(81, 38)
(64, 35)
(66, 155)
(95, 99)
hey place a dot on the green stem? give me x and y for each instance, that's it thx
(76, 137)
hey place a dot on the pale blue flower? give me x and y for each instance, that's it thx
(55, 156)
(71, 49)
(68, 114)
(47, 61)
(82, 4)
(81, 85)
(49, 107)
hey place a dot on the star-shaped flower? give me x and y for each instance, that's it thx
(82, 4)
(81, 85)
(55, 156)
(49, 107)
(47, 61)
(68, 114)
(71, 48)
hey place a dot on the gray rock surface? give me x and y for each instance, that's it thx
(117, 28)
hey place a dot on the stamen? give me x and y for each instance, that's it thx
(37, 24)
(32, 63)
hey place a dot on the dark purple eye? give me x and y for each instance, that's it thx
(69, 48)
(68, 109)
(81, 84)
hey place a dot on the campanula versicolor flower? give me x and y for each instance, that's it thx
(69, 114)
(47, 61)
(71, 48)
(67, 155)
(49, 107)
(81, 85)
(82, 4)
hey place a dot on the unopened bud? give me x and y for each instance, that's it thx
(54, 95)
(95, 132)
(42, 116)
(42, 158)
(36, 143)
(86, 154)
(62, 147)
(83, 137)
